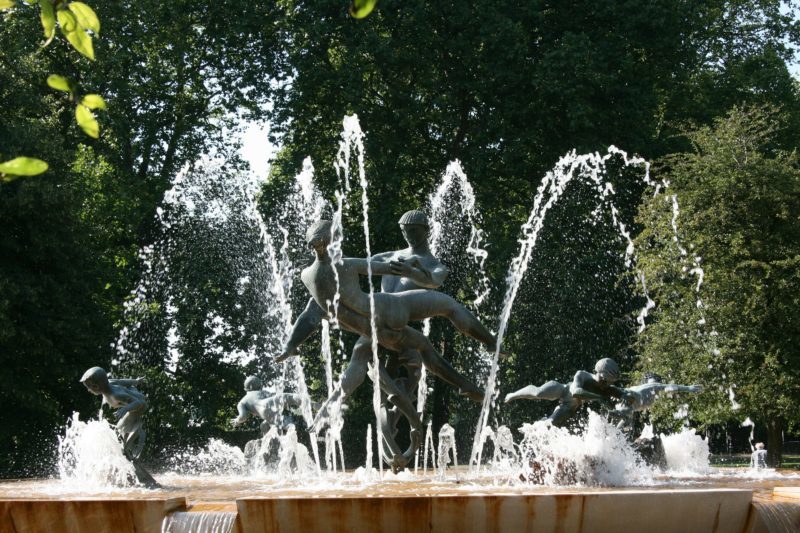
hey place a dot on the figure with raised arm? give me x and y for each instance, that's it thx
(393, 311)
(122, 395)
(414, 267)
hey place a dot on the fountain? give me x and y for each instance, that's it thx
(552, 479)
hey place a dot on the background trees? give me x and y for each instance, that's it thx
(506, 91)
(740, 203)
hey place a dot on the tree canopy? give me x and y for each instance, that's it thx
(700, 87)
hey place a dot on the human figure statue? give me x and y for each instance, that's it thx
(393, 311)
(414, 267)
(268, 407)
(584, 387)
(122, 395)
(758, 459)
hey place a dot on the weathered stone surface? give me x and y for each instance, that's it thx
(721, 510)
(779, 513)
(86, 515)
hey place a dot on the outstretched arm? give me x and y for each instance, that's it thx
(667, 387)
(379, 268)
(306, 324)
(413, 270)
(683, 388)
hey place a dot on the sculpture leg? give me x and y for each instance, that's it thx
(352, 378)
(563, 412)
(412, 362)
(356, 370)
(306, 324)
(426, 304)
(552, 390)
(395, 394)
(414, 340)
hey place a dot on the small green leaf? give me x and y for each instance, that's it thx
(23, 166)
(77, 36)
(86, 121)
(7, 4)
(48, 18)
(59, 83)
(86, 16)
(94, 101)
(361, 8)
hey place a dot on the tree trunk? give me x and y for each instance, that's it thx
(774, 442)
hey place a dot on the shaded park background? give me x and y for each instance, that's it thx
(701, 88)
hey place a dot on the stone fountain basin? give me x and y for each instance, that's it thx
(701, 504)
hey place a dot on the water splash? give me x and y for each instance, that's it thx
(199, 522)
(686, 452)
(429, 450)
(447, 453)
(353, 142)
(590, 167)
(599, 455)
(90, 456)
(217, 457)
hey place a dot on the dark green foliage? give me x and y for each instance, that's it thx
(740, 207)
(505, 89)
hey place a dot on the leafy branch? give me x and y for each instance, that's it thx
(78, 24)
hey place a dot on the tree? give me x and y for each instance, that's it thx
(738, 334)
(508, 90)
(175, 76)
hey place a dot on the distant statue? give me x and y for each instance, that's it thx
(642, 397)
(122, 395)
(393, 311)
(584, 387)
(758, 459)
(268, 407)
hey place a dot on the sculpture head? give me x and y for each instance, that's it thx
(95, 380)
(652, 378)
(759, 445)
(252, 383)
(607, 371)
(415, 227)
(318, 236)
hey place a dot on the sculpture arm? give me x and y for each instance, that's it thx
(413, 270)
(383, 257)
(126, 382)
(585, 395)
(379, 268)
(134, 403)
(683, 388)
(306, 324)
(241, 407)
